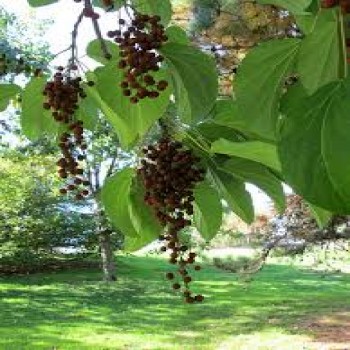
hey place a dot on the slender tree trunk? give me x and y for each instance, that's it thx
(106, 246)
(107, 256)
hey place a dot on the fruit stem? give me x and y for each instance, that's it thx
(89, 7)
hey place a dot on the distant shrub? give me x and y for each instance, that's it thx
(233, 264)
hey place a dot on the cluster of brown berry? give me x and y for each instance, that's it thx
(169, 174)
(344, 4)
(62, 97)
(138, 44)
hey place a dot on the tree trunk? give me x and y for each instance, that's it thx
(107, 256)
(105, 243)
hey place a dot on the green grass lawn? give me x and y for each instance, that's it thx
(74, 310)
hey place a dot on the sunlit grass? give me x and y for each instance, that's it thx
(75, 310)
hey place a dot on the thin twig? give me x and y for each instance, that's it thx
(104, 48)
(111, 166)
(75, 36)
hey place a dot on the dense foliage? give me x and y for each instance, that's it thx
(33, 217)
(21, 50)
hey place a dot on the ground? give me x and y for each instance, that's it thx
(282, 308)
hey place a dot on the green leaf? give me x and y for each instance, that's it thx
(321, 215)
(176, 34)
(292, 97)
(225, 113)
(261, 152)
(94, 51)
(7, 93)
(182, 101)
(207, 210)
(212, 132)
(161, 8)
(132, 244)
(323, 45)
(233, 191)
(293, 6)
(314, 147)
(258, 175)
(115, 197)
(125, 133)
(38, 3)
(306, 22)
(35, 120)
(259, 85)
(138, 117)
(142, 216)
(88, 112)
(195, 79)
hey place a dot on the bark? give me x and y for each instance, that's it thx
(107, 256)
(106, 246)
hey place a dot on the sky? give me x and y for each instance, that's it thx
(64, 15)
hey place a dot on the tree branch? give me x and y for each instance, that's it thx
(89, 8)
(74, 38)
(97, 177)
(111, 166)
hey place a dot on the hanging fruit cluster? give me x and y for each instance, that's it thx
(344, 4)
(138, 44)
(329, 3)
(62, 98)
(169, 173)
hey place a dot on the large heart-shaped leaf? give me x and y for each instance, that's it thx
(35, 120)
(261, 152)
(138, 117)
(142, 216)
(95, 52)
(225, 113)
(322, 216)
(258, 175)
(233, 191)
(88, 112)
(161, 8)
(212, 132)
(115, 197)
(195, 79)
(176, 34)
(259, 85)
(314, 147)
(324, 46)
(207, 210)
(126, 135)
(7, 93)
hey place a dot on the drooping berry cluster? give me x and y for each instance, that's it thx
(344, 4)
(62, 98)
(329, 3)
(138, 44)
(169, 173)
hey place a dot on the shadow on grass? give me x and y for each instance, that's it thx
(68, 307)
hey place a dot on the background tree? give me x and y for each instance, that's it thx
(34, 218)
(21, 47)
(105, 157)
